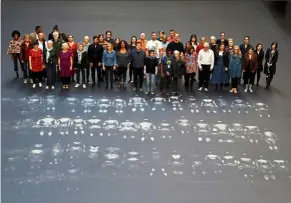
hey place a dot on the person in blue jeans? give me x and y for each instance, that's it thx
(151, 63)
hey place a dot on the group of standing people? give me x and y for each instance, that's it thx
(163, 61)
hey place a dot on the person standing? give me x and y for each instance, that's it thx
(73, 49)
(260, 56)
(222, 40)
(109, 64)
(86, 44)
(176, 45)
(249, 69)
(138, 65)
(220, 72)
(177, 71)
(81, 64)
(132, 47)
(51, 62)
(34, 35)
(109, 38)
(123, 62)
(65, 64)
(166, 77)
(191, 67)
(205, 65)
(270, 67)
(57, 44)
(24, 57)
(235, 65)
(14, 51)
(151, 63)
(42, 45)
(95, 53)
(36, 64)
(143, 41)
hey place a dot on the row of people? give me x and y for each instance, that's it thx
(216, 59)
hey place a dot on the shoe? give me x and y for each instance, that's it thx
(246, 89)
(206, 90)
(67, 86)
(25, 81)
(31, 81)
(152, 93)
(146, 92)
(232, 90)
(84, 85)
(250, 88)
(124, 86)
(111, 87)
(140, 89)
(200, 89)
(77, 85)
(53, 87)
(88, 82)
(47, 87)
(34, 85)
(106, 87)
(63, 86)
(39, 84)
(129, 82)
(134, 89)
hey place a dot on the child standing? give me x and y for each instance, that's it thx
(151, 63)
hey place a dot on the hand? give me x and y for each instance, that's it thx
(226, 69)
(99, 64)
(91, 65)
(103, 68)
(114, 68)
(128, 65)
(200, 68)
(244, 71)
(211, 69)
(71, 68)
(43, 66)
(22, 61)
(145, 72)
(30, 68)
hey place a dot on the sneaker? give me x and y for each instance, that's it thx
(146, 92)
(31, 81)
(39, 84)
(47, 87)
(246, 89)
(152, 93)
(200, 89)
(34, 85)
(53, 87)
(77, 85)
(232, 90)
(206, 90)
(25, 81)
(250, 89)
(84, 85)
(140, 89)
(134, 89)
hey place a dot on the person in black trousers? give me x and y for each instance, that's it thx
(95, 53)
(260, 56)
(271, 59)
(81, 64)
(138, 64)
(132, 47)
(51, 61)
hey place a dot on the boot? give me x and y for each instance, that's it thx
(17, 75)
(267, 82)
(250, 88)
(247, 88)
(221, 87)
(191, 87)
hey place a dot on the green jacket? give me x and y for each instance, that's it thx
(58, 45)
(53, 58)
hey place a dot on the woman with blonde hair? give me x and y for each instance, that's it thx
(65, 62)
(235, 64)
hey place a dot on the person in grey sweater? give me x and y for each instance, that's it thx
(138, 57)
(123, 62)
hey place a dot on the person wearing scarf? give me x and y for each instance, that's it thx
(81, 63)
(51, 61)
(178, 69)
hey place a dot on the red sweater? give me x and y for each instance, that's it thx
(199, 47)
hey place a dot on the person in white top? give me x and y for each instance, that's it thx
(155, 45)
(205, 64)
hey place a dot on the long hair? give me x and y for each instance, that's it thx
(236, 47)
(119, 45)
(193, 36)
(135, 40)
(258, 46)
(276, 45)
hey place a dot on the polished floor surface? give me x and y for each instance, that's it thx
(97, 145)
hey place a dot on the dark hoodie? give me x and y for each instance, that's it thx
(178, 68)
(151, 63)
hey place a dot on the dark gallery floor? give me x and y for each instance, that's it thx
(94, 145)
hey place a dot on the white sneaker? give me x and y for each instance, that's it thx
(39, 84)
(250, 89)
(34, 85)
(77, 85)
(200, 89)
(53, 87)
(84, 85)
(47, 87)
(231, 90)
(206, 90)
(31, 81)
(246, 89)
(25, 81)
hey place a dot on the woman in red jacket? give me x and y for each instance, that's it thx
(36, 64)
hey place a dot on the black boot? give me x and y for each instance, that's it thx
(221, 87)
(17, 75)
(268, 82)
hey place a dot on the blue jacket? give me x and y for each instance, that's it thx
(109, 59)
